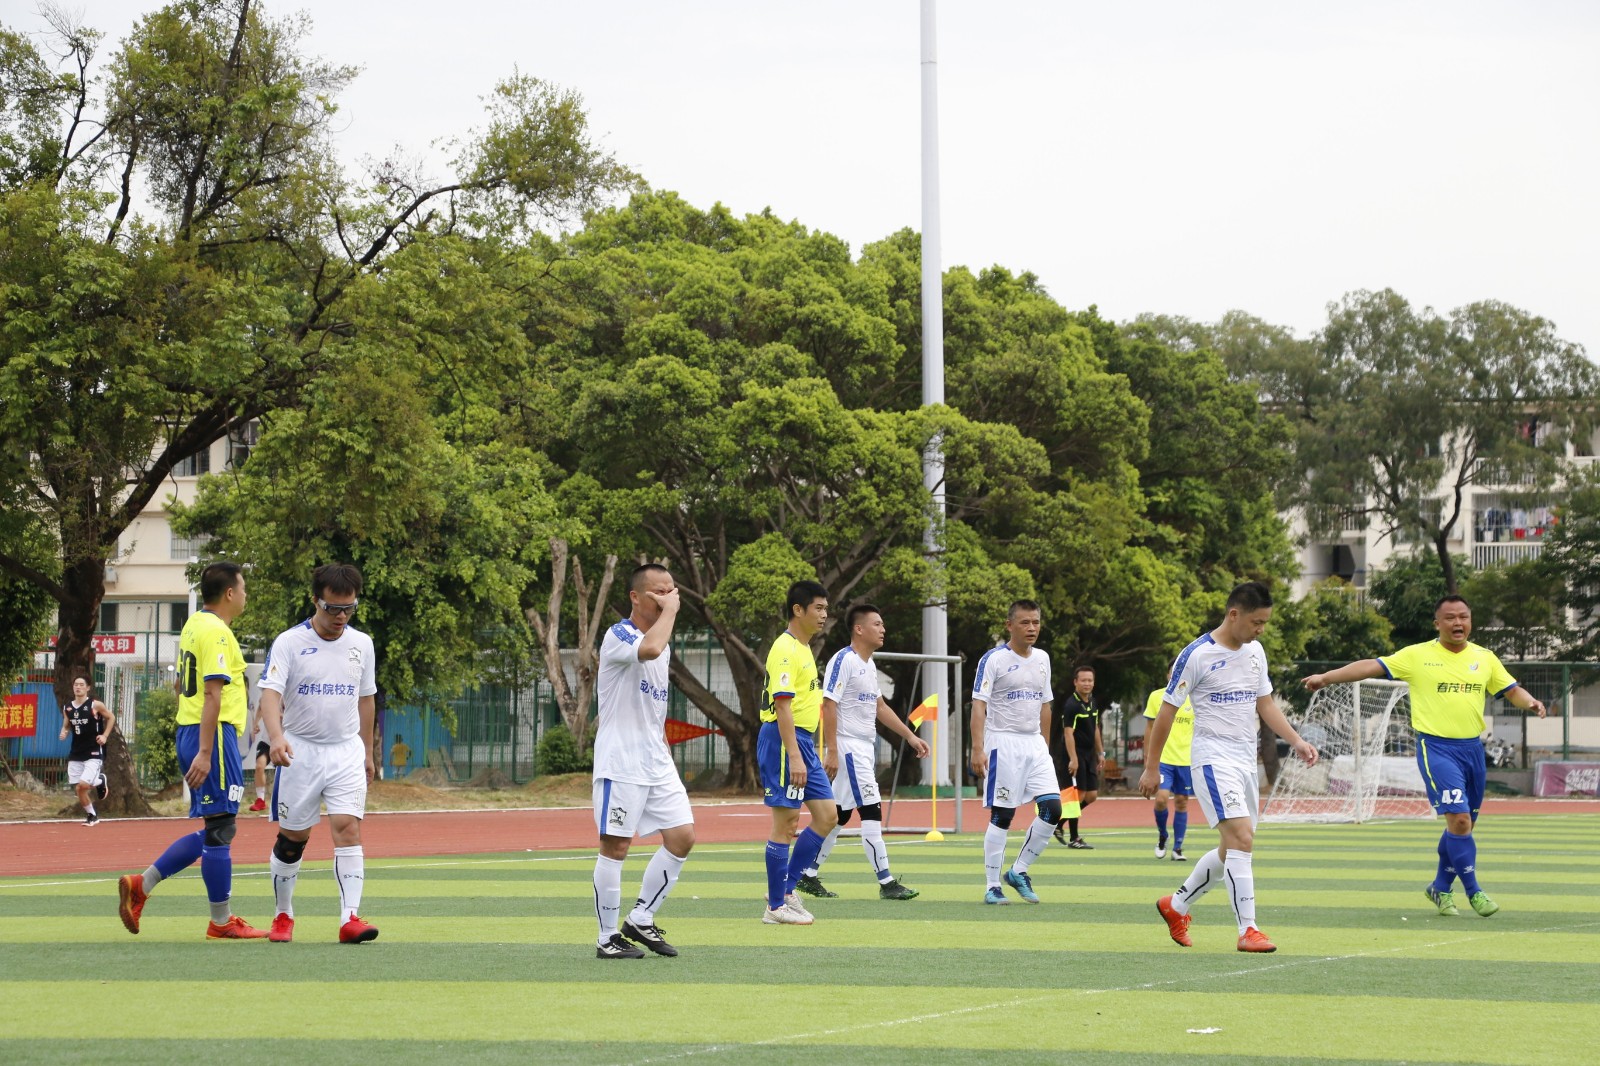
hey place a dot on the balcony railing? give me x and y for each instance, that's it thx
(1487, 555)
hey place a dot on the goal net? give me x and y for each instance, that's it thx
(1366, 759)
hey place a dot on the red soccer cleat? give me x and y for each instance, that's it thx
(132, 895)
(1255, 940)
(235, 928)
(1177, 924)
(259, 805)
(356, 931)
(282, 930)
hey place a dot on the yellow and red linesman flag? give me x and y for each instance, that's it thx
(926, 711)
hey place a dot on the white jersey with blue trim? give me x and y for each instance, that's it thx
(321, 681)
(1014, 689)
(1222, 685)
(852, 683)
(630, 743)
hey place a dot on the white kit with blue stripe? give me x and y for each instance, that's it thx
(852, 684)
(630, 741)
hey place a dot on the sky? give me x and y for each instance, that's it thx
(1161, 156)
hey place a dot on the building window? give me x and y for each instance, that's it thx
(186, 548)
(241, 441)
(178, 614)
(197, 464)
(108, 616)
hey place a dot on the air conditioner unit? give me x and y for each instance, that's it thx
(111, 575)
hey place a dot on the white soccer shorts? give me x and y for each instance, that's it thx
(856, 782)
(1019, 771)
(332, 774)
(1226, 790)
(84, 772)
(625, 809)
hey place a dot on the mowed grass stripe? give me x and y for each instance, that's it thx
(1113, 1017)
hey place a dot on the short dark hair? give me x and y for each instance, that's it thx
(1249, 596)
(637, 578)
(856, 612)
(1452, 598)
(1020, 605)
(217, 578)
(85, 678)
(802, 594)
(335, 577)
(1081, 668)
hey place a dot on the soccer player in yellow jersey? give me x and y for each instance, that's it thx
(786, 752)
(1176, 783)
(211, 719)
(1449, 680)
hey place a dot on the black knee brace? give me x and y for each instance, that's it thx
(872, 813)
(288, 851)
(219, 830)
(844, 815)
(1049, 808)
(1000, 817)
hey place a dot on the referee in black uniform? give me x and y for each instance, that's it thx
(1077, 748)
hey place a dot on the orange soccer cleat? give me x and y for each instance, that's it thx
(132, 895)
(1255, 940)
(1177, 924)
(235, 928)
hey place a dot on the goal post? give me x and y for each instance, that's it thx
(1366, 759)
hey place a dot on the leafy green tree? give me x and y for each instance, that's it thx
(1572, 557)
(1406, 592)
(1516, 608)
(177, 257)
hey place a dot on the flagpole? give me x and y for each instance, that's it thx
(933, 811)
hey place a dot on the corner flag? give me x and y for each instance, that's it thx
(926, 711)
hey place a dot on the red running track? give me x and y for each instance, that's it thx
(64, 847)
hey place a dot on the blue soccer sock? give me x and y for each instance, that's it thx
(1180, 826)
(216, 870)
(777, 873)
(1161, 823)
(180, 855)
(806, 848)
(1445, 876)
(1463, 852)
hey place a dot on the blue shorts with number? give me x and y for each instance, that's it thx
(1176, 780)
(225, 783)
(774, 763)
(1454, 769)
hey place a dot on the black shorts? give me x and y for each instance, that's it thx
(1088, 775)
(263, 749)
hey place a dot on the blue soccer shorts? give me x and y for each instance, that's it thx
(777, 790)
(1176, 780)
(224, 785)
(1454, 769)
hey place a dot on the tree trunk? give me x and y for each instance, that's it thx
(1447, 565)
(740, 730)
(83, 582)
(573, 704)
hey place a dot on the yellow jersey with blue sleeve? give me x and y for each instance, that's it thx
(206, 650)
(1175, 752)
(792, 672)
(1448, 688)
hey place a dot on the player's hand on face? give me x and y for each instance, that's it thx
(667, 601)
(1148, 783)
(920, 746)
(198, 771)
(281, 754)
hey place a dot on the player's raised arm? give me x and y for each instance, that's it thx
(660, 634)
(1361, 670)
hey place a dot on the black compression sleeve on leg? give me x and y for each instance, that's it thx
(220, 829)
(288, 851)
(1000, 817)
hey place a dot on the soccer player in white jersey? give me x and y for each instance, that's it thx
(1223, 675)
(637, 790)
(851, 708)
(1011, 699)
(317, 703)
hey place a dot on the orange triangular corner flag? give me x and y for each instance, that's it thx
(926, 711)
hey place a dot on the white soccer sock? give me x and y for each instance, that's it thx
(994, 853)
(607, 895)
(89, 810)
(877, 854)
(659, 878)
(1241, 888)
(261, 792)
(350, 868)
(1202, 879)
(284, 875)
(1033, 844)
(823, 852)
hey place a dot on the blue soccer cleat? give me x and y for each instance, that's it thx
(1023, 886)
